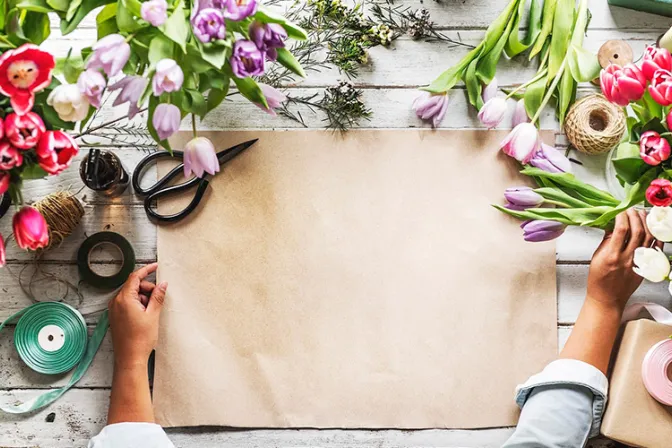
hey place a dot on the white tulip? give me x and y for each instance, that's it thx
(659, 222)
(652, 264)
(69, 103)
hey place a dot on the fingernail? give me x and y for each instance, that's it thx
(163, 286)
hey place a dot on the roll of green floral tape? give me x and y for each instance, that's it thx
(51, 338)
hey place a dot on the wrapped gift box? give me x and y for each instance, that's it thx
(661, 7)
(633, 417)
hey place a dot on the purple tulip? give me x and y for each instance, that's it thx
(521, 198)
(520, 114)
(132, 88)
(239, 9)
(268, 37)
(541, 230)
(200, 157)
(490, 91)
(274, 98)
(551, 160)
(209, 25)
(247, 59)
(168, 77)
(154, 12)
(110, 54)
(492, 112)
(431, 106)
(166, 120)
(91, 84)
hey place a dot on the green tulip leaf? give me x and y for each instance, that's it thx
(216, 96)
(573, 185)
(86, 6)
(566, 94)
(36, 27)
(534, 95)
(160, 48)
(294, 31)
(33, 171)
(126, 21)
(630, 169)
(176, 27)
(546, 26)
(35, 6)
(562, 32)
(287, 59)
(474, 86)
(515, 45)
(558, 195)
(583, 64)
(249, 88)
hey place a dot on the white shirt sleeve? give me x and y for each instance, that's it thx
(131, 435)
(561, 407)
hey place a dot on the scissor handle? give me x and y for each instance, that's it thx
(151, 198)
(141, 168)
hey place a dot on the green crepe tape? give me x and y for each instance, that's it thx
(100, 281)
(50, 338)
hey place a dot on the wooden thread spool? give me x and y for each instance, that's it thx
(594, 125)
(63, 213)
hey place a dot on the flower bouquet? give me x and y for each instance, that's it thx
(642, 160)
(172, 58)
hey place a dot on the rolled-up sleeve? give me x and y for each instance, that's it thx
(561, 407)
(131, 435)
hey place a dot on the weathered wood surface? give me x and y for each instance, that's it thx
(390, 81)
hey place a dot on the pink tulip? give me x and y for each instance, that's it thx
(10, 157)
(200, 157)
(622, 84)
(56, 151)
(5, 180)
(659, 193)
(492, 112)
(3, 258)
(30, 229)
(274, 99)
(653, 148)
(520, 114)
(661, 87)
(655, 59)
(522, 143)
(24, 131)
(490, 91)
(431, 106)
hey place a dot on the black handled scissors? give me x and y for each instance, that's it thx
(163, 188)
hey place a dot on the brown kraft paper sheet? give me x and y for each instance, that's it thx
(356, 281)
(633, 416)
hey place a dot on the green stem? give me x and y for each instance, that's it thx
(537, 77)
(193, 125)
(550, 91)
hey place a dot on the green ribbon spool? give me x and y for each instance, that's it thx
(51, 338)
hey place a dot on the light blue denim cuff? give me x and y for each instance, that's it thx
(563, 372)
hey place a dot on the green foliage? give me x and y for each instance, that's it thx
(176, 26)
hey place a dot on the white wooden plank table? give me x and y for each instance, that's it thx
(389, 81)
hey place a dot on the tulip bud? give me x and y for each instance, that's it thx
(622, 84)
(520, 114)
(551, 160)
(655, 59)
(659, 223)
(522, 143)
(521, 198)
(30, 229)
(659, 193)
(490, 91)
(492, 112)
(200, 157)
(541, 230)
(661, 87)
(24, 131)
(431, 106)
(652, 264)
(653, 148)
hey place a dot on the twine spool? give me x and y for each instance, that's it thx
(594, 125)
(63, 213)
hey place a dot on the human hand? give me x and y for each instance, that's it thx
(611, 279)
(134, 318)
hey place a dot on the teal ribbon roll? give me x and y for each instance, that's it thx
(51, 338)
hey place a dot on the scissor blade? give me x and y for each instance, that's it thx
(231, 153)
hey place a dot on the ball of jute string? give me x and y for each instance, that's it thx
(63, 212)
(594, 125)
